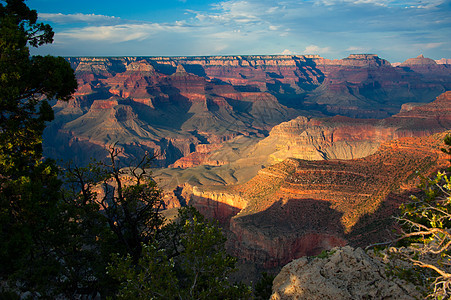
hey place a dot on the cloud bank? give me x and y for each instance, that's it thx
(395, 30)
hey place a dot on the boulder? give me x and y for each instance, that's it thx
(346, 273)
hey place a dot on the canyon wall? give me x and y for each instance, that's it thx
(172, 105)
(298, 207)
(239, 159)
(346, 138)
(353, 176)
(215, 120)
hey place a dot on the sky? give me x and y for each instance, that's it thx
(394, 30)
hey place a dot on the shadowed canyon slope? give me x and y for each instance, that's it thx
(353, 176)
(271, 146)
(181, 105)
(338, 137)
(298, 207)
(346, 138)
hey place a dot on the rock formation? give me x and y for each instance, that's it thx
(444, 61)
(298, 207)
(354, 86)
(225, 119)
(172, 105)
(238, 159)
(346, 138)
(345, 273)
(426, 66)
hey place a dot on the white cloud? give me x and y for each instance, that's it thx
(429, 45)
(390, 28)
(314, 49)
(272, 9)
(358, 49)
(228, 12)
(287, 52)
(118, 33)
(356, 2)
(77, 18)
(237, 13)
(426, 4)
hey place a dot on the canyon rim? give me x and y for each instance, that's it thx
(292, 154)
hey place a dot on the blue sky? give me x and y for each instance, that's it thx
(395, 30)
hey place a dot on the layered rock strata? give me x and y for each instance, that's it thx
(171, 105)
(346, 138)
(297, 207)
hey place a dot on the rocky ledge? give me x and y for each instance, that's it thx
(297, 207)
(345, 273)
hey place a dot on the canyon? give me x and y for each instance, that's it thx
(308, 138)
(170, 105)
(299, 207)
(291, 154)
(327, 182)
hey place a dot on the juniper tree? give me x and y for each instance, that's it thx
(29, 187)
(426, 232)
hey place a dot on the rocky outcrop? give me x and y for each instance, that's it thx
(203, 110)
(199, 157)
(201, 99)
(419, 60)
(346, 138)
(217, 205)
(298, 207)
(444, 61)
(426, 66)
(436, 114)
(238, 158)
(354, 86)
(345, 273)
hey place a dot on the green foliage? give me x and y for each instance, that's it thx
(110, 210)
(426, 234)
(57, 241)
(191, 256)
(448, 143)
(448, 151)
(28, 225)
(30, 215)
(131, 203)
(263, 287)
(25, 84)
(325, 254)
(151, 278)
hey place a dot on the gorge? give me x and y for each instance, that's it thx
(172, 104)
(292, 154)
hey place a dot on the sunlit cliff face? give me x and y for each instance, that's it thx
(170, 105)
(306, 176)
(298, 207)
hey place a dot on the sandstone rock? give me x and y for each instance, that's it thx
(215, 205)
(141, 66)
(346, 138)
(171, 98)
(429, 68)
(199, 157)
(353, 85)
(419, 60)
(297, 207)
(170, 105)
(346, 273)
(444, 61)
